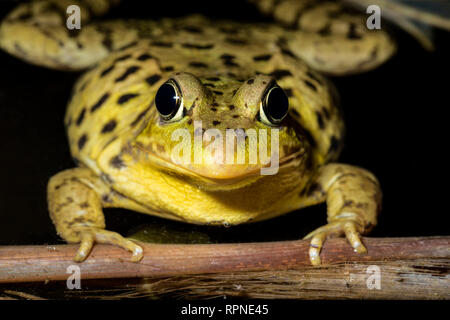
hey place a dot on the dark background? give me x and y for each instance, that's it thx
(396, 128)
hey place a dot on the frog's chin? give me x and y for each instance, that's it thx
(218, 177)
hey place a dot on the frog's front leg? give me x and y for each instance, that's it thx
(75, 204)
(353, 198)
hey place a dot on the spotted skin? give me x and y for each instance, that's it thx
(223, 71)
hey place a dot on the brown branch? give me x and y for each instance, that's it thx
(40, 263)
(405, 279)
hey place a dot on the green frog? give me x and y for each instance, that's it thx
(150, 80)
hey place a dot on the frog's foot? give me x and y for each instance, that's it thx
(90, 235)
(76, 210)
(349, 228)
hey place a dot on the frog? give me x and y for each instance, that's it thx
(147, 80)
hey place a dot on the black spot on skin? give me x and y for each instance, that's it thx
(106, 198)
(279, 74)
(334, 145)
(74, 33)
(213, 79)
(347, 203)
(231, 107)
(168, 68)
(361, 205)
(59, 186)
(189, 122)
(122, 58)
(209, 85)
(126, 97)
(129, 71)
(288, 92)
(236, 41)
(288, 53)
(84, 205)
(127, 46)
(352, 35)
(235, 116)
(144, 57)
(310, 138)
(109, 126)
(295, 113)
(100, 101)
(139, 117)
(153, 79)
(325, 31)
(320, 120)
(198, 64)
(310, 84)
(215, 123)
(162, 44)
(83, 86)
(263, 57)
(326, 113)
(117, 162)
(197, 46)
(213, 109)
(106, 71)
(107, 41)
(230, 63)
(228, 60)
(218, 92)
(24, 16)
(228, 30)
(192, 29)
(82, 141)
(314, 77)
(251, 81)
(81, 117)
(227, 56)
(315, 188)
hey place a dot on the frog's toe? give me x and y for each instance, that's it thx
(87, 242)
(107, 237)
(337, 228)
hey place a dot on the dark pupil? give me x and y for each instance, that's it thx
(277, 104)
(166, 100)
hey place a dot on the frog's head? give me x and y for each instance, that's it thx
(198, 126)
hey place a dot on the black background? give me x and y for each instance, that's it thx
(396, 127)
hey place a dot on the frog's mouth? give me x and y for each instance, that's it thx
(213, 176)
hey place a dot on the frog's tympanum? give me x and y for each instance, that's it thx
(147, 79)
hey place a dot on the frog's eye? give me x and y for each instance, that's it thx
(169, 102)
(274, 105)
